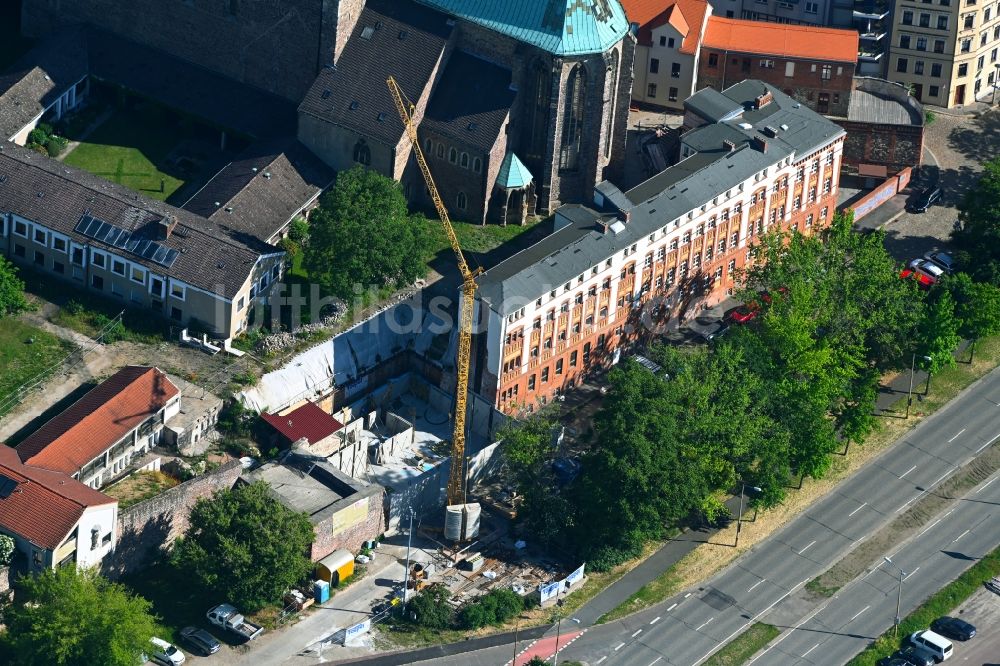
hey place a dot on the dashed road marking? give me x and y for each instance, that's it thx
(705, 624)
(655, 620)
(927, 529)
(961, 535)
(638, 631)
(750, 589)
(987, 483)
(859, 613)
(807, 547)
(619, 647)
(672, 606)
(907, 471)
(602, 659)
(907, 576)
(655, 660)
(955, 436)
(805, 653)
(858, 509)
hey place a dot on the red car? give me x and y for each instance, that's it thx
(924, 281)
(744, 314)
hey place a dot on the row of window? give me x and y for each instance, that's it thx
(902, 66)
(462, 159)
(671, 93)
(924, 20)
(675, 68)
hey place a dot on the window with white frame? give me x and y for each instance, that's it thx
(97, 258)
(20, 229)
(118, 267)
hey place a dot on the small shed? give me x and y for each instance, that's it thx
(335, 567)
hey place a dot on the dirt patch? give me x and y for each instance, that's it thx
(902, 528)
(140, 486)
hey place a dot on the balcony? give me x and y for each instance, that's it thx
(874, 36)
(870, 10)
(869, 55)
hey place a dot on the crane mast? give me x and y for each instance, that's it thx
(456, 478)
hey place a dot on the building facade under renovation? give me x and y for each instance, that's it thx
(753, 161)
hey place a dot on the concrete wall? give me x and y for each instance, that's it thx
(360, 519)
(148, 528)
(663, 78)
(888, 189)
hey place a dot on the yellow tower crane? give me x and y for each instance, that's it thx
(456, 478)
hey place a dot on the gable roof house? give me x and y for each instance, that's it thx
(98, 437)
(54, 519)
(668, 45)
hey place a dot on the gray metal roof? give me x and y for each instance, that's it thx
(712, 105)
(575, 248)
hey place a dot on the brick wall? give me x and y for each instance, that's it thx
(806, 84)
(893, 146)
(272, 45)
(147, 528)
(330, 535)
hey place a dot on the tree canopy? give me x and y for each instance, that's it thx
(11, 289)
(977, 238)
(73, 617)
(362, 234)
(244, 546)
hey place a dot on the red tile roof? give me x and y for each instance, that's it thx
(308, 421)
(781, 39)
(98, 420)
(686, 16)
(44, 506)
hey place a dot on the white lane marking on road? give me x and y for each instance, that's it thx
(655, 660)
(655, 620)
(859, 613)
(637, 633)
(858, 509)
(672, 606)
(786, 634)
(987, 483)
(619, 647)
(936, 481)
(961, 535)
(907, 471)
(956, 435)
(706, 623)
(907, 576)
(803, 654)
(948, 514)
(927, 529)
(687, 595)
(750, 589)
(807, 547)
(908, 503)
(985, 445)
(602, 659)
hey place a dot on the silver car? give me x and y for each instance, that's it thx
(942, 259)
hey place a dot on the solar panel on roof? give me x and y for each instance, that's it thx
(117, 237)
(7, 486)
(161, 254)
(150, 250)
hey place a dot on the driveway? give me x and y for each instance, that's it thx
(956, 147)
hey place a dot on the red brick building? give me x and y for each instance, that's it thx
(616, 271)
(813, 65)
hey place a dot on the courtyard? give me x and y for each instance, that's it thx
(144, 147)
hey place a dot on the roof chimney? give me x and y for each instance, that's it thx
(763, 100)
(730, 146)
(166, 227)
(770, 131)
(759, 143)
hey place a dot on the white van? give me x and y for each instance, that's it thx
(933, 642)
(165, 653)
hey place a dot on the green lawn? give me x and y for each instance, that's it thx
(475, 238)
(130, 148)
(744, 646)
(21, 360)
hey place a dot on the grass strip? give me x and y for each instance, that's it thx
(942, 602)
(744, 646)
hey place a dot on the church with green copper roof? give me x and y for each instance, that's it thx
(521, 104)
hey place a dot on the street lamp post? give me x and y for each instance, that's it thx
(899, 594)
(559, 603)
(909, 391)
(739, 518)
(406, 572)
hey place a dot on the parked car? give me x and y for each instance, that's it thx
(928, 268)
(942, 259)
(165, 653)
(200, 641)
(893, 661)
(923, 281)
(915, 656)
(927, 198)
(230, 619)
(933, 642)
(952, 627)
(743, 314)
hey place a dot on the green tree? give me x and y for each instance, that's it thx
(977, 305)
(298, 230)
(495, 607)
(73, 617)
(937, 334)
(362, 234)
(977, 238)
(430, 609)
(11, 289)
(243, 545)
(6, 549)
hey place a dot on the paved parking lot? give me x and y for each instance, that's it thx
(983, 610)
(957, 146)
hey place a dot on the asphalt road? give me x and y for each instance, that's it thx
(685, 630)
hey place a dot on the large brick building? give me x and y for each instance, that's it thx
(755, 161)
(814, 65)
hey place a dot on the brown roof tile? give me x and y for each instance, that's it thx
(96, 421)
(308, 421)
(781, 39)
(44, 506)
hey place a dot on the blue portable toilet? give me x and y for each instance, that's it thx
(321, 591)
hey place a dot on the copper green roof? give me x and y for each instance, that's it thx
(561, 27)
(513, 174)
